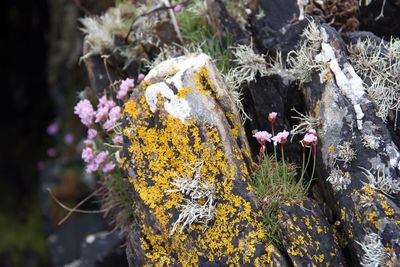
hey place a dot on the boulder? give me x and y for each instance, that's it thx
(188, 163)
(307, 236)
(356, 157)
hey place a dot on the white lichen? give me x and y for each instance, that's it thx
(345, 153)
(305, 123)
(235, 93)
(381, 181)
(100, 30)
(375, 254)
(301, 61)
(177, 107)
(248, 63)
(349, 83)
(339, 180)
(198, 192)
(371, 141)
(379, 65)
(301, 5)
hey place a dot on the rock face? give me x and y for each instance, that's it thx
(347, 126)
(188, 163)
(307, 236)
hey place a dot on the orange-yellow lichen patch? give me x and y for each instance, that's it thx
(203, 83)
(183, 91)
(163, 148)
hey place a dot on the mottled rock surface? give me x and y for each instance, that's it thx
(307, 236)
(346, 119)
(182, 123)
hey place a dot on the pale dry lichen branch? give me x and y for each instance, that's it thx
(194, 211)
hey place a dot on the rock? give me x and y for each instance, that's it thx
(69, 242)
(307, 236)
(277, 14)
(186, 150)
(65, 242)
(103, 249)
(346, 120)
(386, 26)
(223, 24)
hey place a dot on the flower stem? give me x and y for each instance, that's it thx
(273, 134)
(302, 167)
(283, 155)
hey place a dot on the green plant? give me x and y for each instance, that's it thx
(116, 201)
(275, 184)
(21, 233)
(196, 31)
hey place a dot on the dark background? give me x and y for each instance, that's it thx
(26, 111)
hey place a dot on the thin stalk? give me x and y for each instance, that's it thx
(302, 167)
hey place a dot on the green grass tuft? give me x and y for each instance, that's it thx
(116, 199)
(196, 31)
(276, 181)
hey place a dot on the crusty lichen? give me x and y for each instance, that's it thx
(339, 180)
(375, 253)
(379, 65)
(382, 181)
(162, 148)
(345, 153)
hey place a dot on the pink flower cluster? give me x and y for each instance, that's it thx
(84, 110)
(310, 138)
(280, 138)
(263, 137)
(107, 113)
(124, 88)
(96, 162)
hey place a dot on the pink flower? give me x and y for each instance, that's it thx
(87, 154)
(101, 157)
(51, 152)
(309, 139)
(108, 167)
(312, 131)
(92, 133)
(280, 138)
(113, 117)
(265, 201)
(53, 129)
(110, 104)
(92, 167)
(140, 77)
(117, 139)
(101, 113)
(88, 142)
(69, 138)
(124, 88)
(115, 113)
(84, 110)
(102, 101)
(178, 8)
(272, 117)
(262, 137)
(108, 125)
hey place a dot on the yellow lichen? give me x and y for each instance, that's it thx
(164, 150)
(183, 91)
